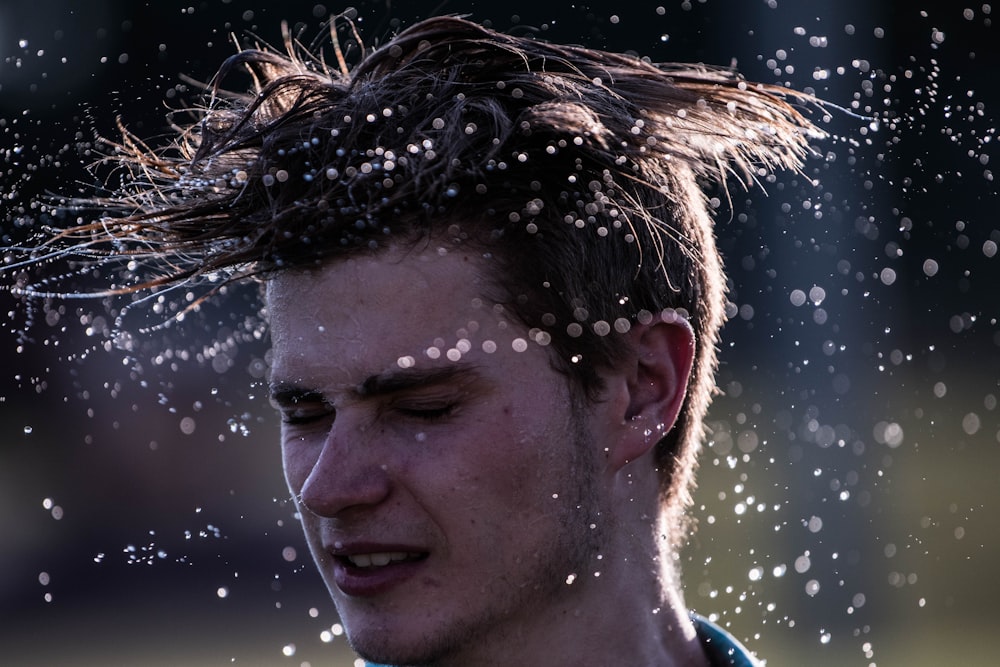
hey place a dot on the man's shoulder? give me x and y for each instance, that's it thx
(722, 649)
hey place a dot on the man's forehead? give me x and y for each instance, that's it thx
(373, 313)
(408, 290)
(421, 265)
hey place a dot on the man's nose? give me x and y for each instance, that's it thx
(345, 476)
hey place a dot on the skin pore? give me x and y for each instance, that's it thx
(464, 506)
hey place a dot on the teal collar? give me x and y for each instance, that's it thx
(722, 649)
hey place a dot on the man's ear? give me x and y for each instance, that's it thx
(656, 383)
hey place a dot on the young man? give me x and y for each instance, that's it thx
(494, 298)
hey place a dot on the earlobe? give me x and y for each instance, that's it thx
(656, 384)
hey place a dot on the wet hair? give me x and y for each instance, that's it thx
(578, 172)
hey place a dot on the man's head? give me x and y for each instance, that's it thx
(494, 296)
(577, 173)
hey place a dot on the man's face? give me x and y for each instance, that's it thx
(450, 492)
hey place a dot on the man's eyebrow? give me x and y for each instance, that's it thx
(409, 378)
(396, 380)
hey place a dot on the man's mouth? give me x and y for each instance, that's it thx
(367, 570)
(381, 559)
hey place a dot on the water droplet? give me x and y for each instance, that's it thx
(971, 423)
(803, 563)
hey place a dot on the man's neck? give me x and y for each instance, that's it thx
(620, 631)
(623, 611)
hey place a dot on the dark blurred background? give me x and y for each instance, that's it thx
(847, 508)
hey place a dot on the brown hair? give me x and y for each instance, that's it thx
(578, 170)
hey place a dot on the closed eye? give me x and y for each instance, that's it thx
(428, 413)
(306, 413)
(300, 406)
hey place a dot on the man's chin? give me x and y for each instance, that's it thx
(394, 644)
(376, 650)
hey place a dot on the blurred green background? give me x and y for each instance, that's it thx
(848, 497)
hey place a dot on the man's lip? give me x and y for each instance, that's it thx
(369, 569)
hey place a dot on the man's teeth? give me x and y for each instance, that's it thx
(379, 559)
